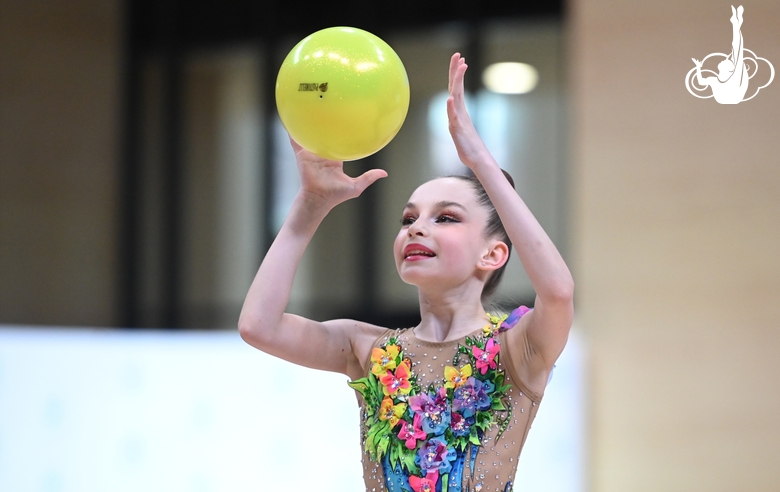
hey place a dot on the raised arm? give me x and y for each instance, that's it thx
(547, 327)
(699, 78)
(263, 322)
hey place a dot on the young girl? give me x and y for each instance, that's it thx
(446, 405)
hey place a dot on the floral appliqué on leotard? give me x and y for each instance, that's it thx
(421, 436)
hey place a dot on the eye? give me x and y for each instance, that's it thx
(447, 218)
(407, 220)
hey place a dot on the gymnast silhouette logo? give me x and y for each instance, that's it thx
(730, 84)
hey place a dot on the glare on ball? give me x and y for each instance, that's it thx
(342, 93)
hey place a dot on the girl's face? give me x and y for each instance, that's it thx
(441, 241)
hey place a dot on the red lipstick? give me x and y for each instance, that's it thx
(417, 252)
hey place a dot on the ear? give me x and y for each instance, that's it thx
(494, 257)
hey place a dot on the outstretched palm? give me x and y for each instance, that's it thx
(468, 143)
(325, 181)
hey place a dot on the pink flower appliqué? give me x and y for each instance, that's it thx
(486, 358)
(426, 483)
(411, 433)
(398, 381)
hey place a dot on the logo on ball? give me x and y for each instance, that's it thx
(308, 87)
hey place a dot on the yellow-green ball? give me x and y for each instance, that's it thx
(342, 93)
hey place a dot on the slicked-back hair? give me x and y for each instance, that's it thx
(493, 228)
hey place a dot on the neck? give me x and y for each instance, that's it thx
(449, 316)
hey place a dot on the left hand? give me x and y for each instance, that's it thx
(471, 148)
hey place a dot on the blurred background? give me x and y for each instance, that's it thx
(143, 173)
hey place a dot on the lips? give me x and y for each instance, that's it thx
(417, 251)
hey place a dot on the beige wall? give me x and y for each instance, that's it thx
(676, 242)
(59, 106)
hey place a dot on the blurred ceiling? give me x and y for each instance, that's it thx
(213, 22)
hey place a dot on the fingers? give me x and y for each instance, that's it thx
(453, 66)
(457, 120)
(457, 70)
(452, 113)
(298, 147)
(368, 178)
(294, 144)
(456, 103)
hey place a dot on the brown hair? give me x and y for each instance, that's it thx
(493, 228)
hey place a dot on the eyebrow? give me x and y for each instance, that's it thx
(440, 204)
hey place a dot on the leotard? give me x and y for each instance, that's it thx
(445, 416)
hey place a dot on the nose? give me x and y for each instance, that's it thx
(416, 229)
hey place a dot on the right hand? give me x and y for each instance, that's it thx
(324, 181)
(697, 62)
(471, 149)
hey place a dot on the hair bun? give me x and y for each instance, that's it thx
(508, 178)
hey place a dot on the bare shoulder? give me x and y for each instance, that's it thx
(362, 337)
(535, 343)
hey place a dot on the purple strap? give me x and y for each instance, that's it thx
(513, 318)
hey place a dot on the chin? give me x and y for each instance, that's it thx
(412, 278)
(423, 280)
(409, 279)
